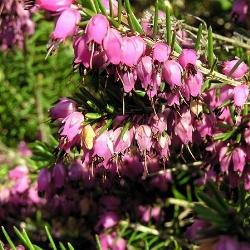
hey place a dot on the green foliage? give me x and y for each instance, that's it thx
(29, 84)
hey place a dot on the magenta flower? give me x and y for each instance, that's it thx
(97, 29)
(187, 56)
(112, 45)
(82, 53)
(55, 5)
(76, 170)
(132, 50)
(112, 242)
(205, 125)
(128, 81)
(172, 73)
(122, 143)
(241, 70)
(58, 175)
(194, 83)
(184, 128)
(72, 126)
(161, 52)
(66, 24)
(143, 136)
(225, 159)
(241, 93)
(44, 180)
(240, 10)
(239, 159)
(145, 70)
(62, 109)
(147, 213)
(107, 220)
(193, 231)
(18, 172)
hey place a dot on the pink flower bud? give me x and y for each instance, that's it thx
(241, 93)
(62, 109)
(194, 83)
(66, 24)
(97, 29)
(82, 53)
(112, 45)
(187, 56)
(44, 179)
(145, 70)
(58, 175)
(239, 159)
(55, 5)
(241, 70)
(172, 73)
(161, 52)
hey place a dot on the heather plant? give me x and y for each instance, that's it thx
(153, 148)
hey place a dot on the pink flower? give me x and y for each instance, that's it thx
(97, 29)
(76, 170)
(145, 70)
(194, 83)
(58, 175)
(44, 180)
(82, 53)
(187, 56)
(66, 24)
(225, 159)
(112, 45)
(128, 80)
(112, 242)
(107, 220)
(161, 52)
(55, 5)
(18, 172)
(240, 10)
(143, 136)
(239, 159)
(62, 109)
(241, 70)
(172, 73)
(122, 143)
(184, 128)
(241, 93)
(72, 126)
(132, 50)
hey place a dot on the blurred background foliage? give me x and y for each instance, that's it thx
(29, 84)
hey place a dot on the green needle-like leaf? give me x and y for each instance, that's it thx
(29, 244)
(132, 18)
(199, 36)
(98, 243)
(111, 9)
(62, 247)
(12, 245)
(119, 12)
(156, 16)
(173, 41)
(70, 246)
(93, 6)
(168, 26)
(210, 47)
(20, 236)
(50, 239)
(1, 246)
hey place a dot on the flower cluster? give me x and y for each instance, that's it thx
(15, 24)
(180, 111)
(240, 10)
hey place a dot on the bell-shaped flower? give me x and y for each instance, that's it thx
(143, 136)
(59, 175)
(194, 83)
(238, 73)
(62, 109)
(187, 56)
(225, 159)
(161, 52)
(121, 143)
(239, 159)
(66, 24)
(97, 29)
(114, 6)
(184, 128)
(145, 70)
(172, 73)
(112, 45)
(44, 180)
(128, 81)
(240, 10)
